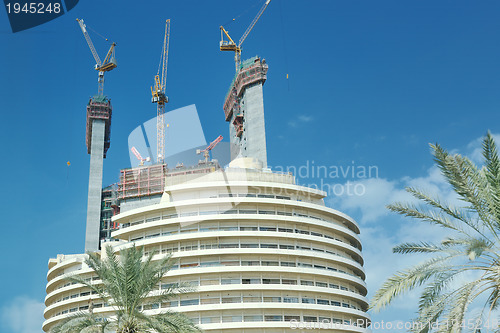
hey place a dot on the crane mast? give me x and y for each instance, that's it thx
(109, 61)
(230, 45)
(159, 96)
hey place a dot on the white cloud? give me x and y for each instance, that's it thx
(382, 230)
(475, 149)
(377, 193)
(305, 119)
(300, 120)
(23, 315)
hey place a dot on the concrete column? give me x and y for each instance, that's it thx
(95, 186)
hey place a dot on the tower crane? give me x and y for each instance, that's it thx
(139, 157)
(230, 45)
(160, 98)
(209, 148)
(107, 65)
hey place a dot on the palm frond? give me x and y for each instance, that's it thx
(406, 280)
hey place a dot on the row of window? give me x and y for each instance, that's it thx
(228, 281)
(238, 262)
(256, 299)
(258, 280)
(238, 318)
(242, 226)
(225, 212)
(207, 245)
(241, 262)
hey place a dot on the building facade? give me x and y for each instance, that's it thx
(262, 253)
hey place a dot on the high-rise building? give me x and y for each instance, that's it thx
(244, 110)
(98, 141)
(263, 254)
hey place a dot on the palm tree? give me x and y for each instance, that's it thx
(464, 267)
(127, 283)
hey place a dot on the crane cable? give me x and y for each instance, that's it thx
(97, 33)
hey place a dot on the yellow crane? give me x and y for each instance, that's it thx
(230, 45)
(107, 65)
(160, 98)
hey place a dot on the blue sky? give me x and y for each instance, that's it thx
(369, 81)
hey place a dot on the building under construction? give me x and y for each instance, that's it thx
(262, 253)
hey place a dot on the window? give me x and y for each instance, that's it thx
(273, 318)
(310, 319)
(306, 283)
(170, 304)
(308, 300)
(290, 299)
(228, 246)
(323, 301)
(253, 318)
(208, 320)
(289, 281)
(270, 263)
(285, 230)
(288, 264)
(268, 246)
(168, 285)
(252, 299)
(270, 281)
(248, 228)
(250, 281)
(248, 211)
(231, 281)
(230, 263)
(229, 319)
(272, 299)
(210, 300)
(209, 282)
(187, 302)
(234, 299)
(321, 284)
(249, 246)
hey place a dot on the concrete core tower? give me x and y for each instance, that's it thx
(244, 110)
(98, 140)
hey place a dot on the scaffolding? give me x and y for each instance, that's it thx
(142, 181)
(99, 107)
(252, 70)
